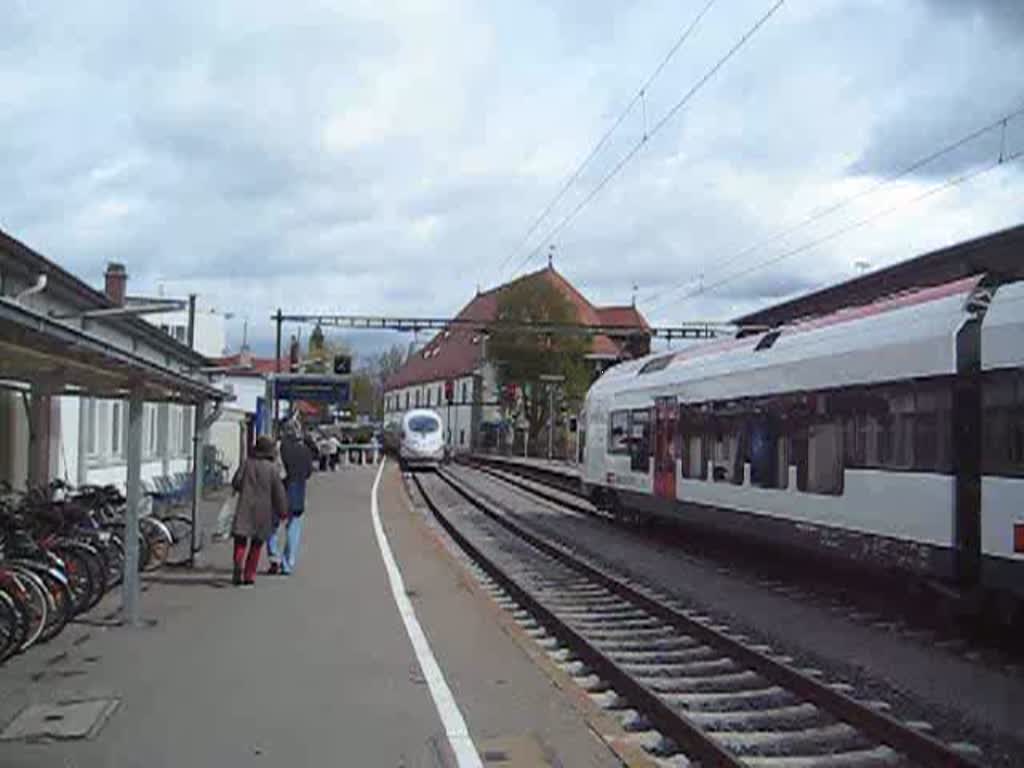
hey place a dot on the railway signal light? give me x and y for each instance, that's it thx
(343, 364)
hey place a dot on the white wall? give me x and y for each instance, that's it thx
(459, 418)
(227, 434)
(246, 390)
(210, 328)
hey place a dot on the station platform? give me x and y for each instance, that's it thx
(314, 669)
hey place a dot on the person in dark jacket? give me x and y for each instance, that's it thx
(298, 466)
(261, 498)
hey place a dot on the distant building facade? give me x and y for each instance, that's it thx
(455, 360)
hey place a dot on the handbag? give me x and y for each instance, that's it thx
(225, 517)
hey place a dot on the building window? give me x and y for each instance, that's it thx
(92, 444)
(116, 428)
(465, 392)
(429, 394)
(417, 398)
(462, 437)
(149, 430)
(407, 399)
(186, 430)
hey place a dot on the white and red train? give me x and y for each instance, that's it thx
(890, 435)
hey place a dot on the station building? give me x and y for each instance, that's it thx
(454, 362)
(61, 419)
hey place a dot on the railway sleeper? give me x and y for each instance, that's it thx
(670, 683)
(784, 718)
(768, 697)
(632, 644)
(876, 757)
(834, 738)
(622, 625)
(609, 633)
(643, 659)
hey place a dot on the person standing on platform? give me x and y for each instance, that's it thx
(324, 450)
(309, 440)
(334, 451)
(298, 466)
(261, 499)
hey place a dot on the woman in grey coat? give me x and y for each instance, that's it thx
(261, 499)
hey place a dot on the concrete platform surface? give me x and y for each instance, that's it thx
(314, 669)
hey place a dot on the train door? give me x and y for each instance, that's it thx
(666, 415)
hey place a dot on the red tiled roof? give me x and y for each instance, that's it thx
(628, 315)
(456, 351)
(259, 366)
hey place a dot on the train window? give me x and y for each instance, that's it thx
(769, 453)
(657, 364)
(1002, 435)
(727, 451)
(424, 425)
(824, 458)
(933, 431)
(640, 440)
(618, 432)
(896, 449)
(695, 462)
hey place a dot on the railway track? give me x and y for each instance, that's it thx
(715, 698)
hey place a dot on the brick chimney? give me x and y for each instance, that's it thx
(116, 284)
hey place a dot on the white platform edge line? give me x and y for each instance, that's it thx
(451, 718)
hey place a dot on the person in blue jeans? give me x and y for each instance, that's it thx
(298, 466)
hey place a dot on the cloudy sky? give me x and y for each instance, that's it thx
(389, 156)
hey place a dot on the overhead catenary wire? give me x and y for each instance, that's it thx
(639, 97)
(817, 215)
(661, 123)
(930, 192)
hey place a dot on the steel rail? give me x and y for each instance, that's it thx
(687, 735)
(883, 728)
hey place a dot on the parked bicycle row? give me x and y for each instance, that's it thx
(62, 549)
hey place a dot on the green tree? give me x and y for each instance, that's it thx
(365, 400)
(521, 356)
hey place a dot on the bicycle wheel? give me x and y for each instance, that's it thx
(76, 569)
(180, 528)
(13, 625)
(97, 565)
(159, 541)
(60, 602)
(36, 603)
(115, 560)
(8, 625)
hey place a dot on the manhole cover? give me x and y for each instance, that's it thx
(66, 720)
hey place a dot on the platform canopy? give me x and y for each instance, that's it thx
(36, 349)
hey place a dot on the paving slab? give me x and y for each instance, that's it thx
(313, 669)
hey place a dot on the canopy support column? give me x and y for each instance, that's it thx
(131, 587)
(198, 441)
